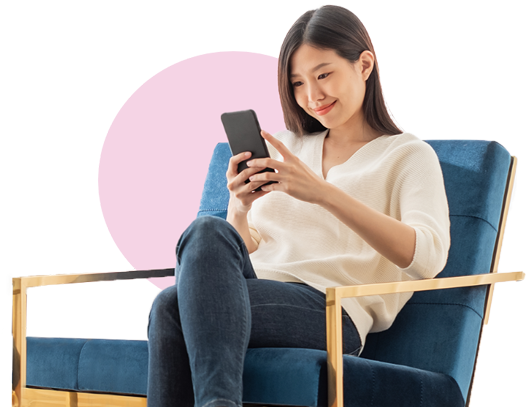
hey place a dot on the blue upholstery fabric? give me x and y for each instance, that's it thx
(271, 376)
(425, 358)
(299, 377)
(113, 366)
(53, 362)
(117, 366)
(214, 201)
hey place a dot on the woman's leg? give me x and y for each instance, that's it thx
(293, 315)
(214, 302)
(210, 304)
(169, 376)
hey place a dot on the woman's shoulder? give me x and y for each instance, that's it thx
(405, 137)
(410, 146)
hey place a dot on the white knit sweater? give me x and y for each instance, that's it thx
(302, 242)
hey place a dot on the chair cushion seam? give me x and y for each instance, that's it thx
(373, 386)
(448, 303)
(476, 217)
(78, 364)
(421, 390)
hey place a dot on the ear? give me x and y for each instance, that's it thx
(366, 64)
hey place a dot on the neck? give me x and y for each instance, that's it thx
(356, 134)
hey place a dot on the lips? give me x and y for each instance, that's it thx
(319, 109)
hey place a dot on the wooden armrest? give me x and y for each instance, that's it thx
(38, 281)
(423, 285)
(20, 286)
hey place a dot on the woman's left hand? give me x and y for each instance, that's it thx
(294, 177)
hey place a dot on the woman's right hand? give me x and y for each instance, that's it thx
(241, 194)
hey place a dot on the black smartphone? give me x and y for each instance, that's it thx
(244, 134)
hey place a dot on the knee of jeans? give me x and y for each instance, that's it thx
(208, 224)
(164, 304)
(166, 300)
(202, 227)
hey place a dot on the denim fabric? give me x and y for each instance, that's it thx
(199, 329)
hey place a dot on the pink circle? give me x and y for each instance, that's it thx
(156, 153)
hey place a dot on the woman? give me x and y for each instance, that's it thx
(356, 201)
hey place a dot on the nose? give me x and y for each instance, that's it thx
(314, 94)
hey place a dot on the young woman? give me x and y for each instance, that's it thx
(356, 201)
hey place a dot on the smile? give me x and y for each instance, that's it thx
(325, 109)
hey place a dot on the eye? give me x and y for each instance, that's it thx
(294, 84)
(324, 75)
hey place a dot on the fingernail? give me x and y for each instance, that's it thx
(251, 178)
(247, 154)
(249, 163)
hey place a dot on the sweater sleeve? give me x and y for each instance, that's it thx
(423, 206)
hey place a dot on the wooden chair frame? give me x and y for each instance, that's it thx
(24, 396)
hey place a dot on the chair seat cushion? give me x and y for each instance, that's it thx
(299, 377)
(272, 375)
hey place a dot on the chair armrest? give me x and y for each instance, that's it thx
(20, 286)
(334, 314)
(423, 285)
(38, 281)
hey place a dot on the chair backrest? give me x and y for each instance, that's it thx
(436, 330)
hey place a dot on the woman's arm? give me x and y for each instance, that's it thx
(388, 236)
(240, 223)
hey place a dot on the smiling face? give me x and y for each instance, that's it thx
(330, 88)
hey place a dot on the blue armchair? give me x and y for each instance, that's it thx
(426, 358)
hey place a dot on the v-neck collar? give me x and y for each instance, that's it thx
(319, 149)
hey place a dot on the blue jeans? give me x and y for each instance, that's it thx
(200, 328)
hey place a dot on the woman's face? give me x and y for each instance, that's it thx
(330, 88)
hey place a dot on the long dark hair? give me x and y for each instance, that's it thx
(336, 28)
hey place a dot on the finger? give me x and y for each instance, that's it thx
(276, 143)
(236, 159)
(265, 176)
(265, 163)
(244, 155)
(245, 175)
(247, 172)
(239, 180)
(251, 186)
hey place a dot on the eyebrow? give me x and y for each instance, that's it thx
(313, 69)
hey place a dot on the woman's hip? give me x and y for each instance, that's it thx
(293, 315)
